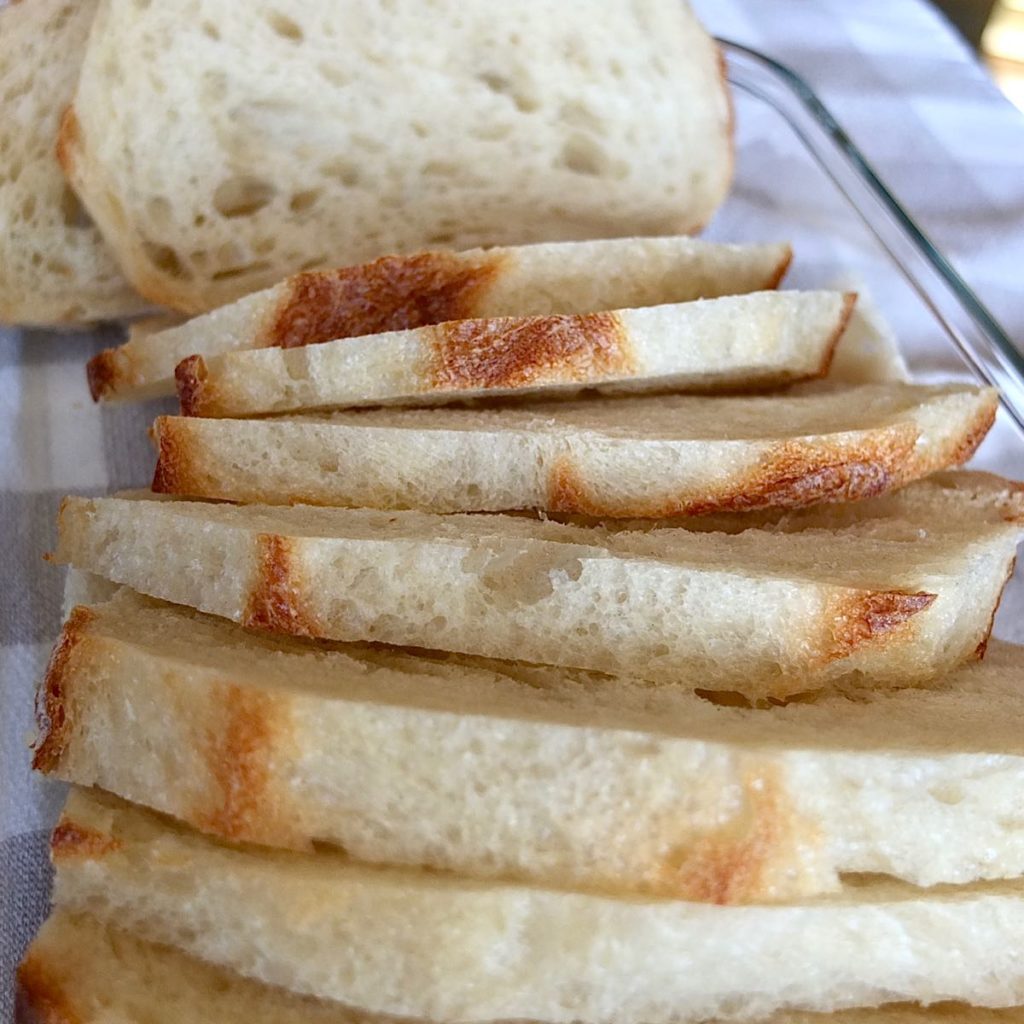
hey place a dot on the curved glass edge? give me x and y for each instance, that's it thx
(977, 334)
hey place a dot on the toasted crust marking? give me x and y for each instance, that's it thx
(975, 433)
(390, 294)
(508, 352)
(70, 839)
(101, 373)
(849, 302)
(982, 649)
(779, 272)
(194, 390)
(793, 474)
(69, 135)
(174, 473)
(871, 617)
(52, 705)
(39, 997)
(731, 864)
(238, 760)
(275, 601)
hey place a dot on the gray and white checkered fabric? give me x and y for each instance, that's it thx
(894, 74)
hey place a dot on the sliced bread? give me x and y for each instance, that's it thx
(400, 292)
(898, 601)
(505, 770)
(765, 339)
(662, 456)
(222, 151)
(78, 971)
(427, 944)
(55, 269)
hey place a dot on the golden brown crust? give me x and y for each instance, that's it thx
(70, 840)
(510, 352)
(731, 864)
(975, 433)
(867, 617)
(174, 473)
(101, 373)
(982, 649)
(54, 723)
(195, 393)
(39, 996)
(390, 294)
(238, 758)
(275, 602)
(69, 137)
(793, 474)
(779, 272)
(849, 304)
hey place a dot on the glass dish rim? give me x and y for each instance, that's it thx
(969, 305)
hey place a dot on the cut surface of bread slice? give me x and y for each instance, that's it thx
(401, 292)
(765, 613)
(55, 268)
(309, 124)
(501, 769)
(78, 971)
(661, 456)
(765, 339)
(425, 944)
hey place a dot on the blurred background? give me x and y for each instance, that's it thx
(996, 31)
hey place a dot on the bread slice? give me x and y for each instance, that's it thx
(54, 266)
(425, 944)
(745, 341)
(400, 292)
(662, 456)
(78, 971)
(505, 770)
(768, 614)
(247, 145)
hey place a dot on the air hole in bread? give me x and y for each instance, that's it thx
(166, 260)
(582, 154)
(284, 26)
(242, 196)
(229, 273)
(211, 31)
(342, 170)
(334, 74)
(28, 207)
(950, 793)
(213, 87)
(158, 209)
(441, 238)
(72, 213)
(302, 201)
(505, 86)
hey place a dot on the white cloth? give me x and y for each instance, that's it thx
(891, 71)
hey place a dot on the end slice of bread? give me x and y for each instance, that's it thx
(506, 770)
(250, 145)
(78, 971)
(401, 292)
(761, 340)
(55, 269)
(427, 944)
(652, 457)
(896, 602)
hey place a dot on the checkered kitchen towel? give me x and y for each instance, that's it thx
(891, 70)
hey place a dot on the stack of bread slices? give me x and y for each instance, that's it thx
(611, 668)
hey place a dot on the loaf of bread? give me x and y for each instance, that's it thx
(78, 971)
(55, 269)
(427, 944)
(738, 341)
(222, 149)
(401, 292)
(892, 601)
(506, 770)
(663, 456)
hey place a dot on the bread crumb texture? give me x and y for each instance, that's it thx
(508, 125)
